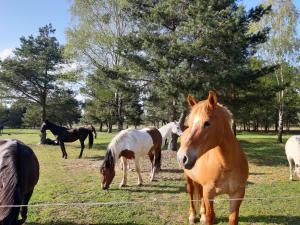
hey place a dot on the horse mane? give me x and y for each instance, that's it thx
(9, 180)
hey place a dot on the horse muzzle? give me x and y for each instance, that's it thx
(186, 160)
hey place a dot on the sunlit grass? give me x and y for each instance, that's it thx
(78, 180)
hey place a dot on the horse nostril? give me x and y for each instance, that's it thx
(185, 160)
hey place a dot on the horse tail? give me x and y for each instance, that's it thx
(10, 193)
(91, 139)
(157, 161)
(94, 130)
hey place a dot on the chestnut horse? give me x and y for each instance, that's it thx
(212, 158)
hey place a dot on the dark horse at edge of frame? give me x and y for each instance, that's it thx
(1, 128)
(64, 134)
(19, 173)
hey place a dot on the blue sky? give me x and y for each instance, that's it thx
(24, 17)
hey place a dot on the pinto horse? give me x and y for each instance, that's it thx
(19, 173)
(64, 134)
(132, 144)
(212, 158)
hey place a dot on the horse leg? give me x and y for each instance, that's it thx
(82, 147)
(235, 203)
(151, 156)
(208, 196)
(63, 149)
(202, 206)
(138, 170)
(24, 208)
(124, 167)
(190, 190)
(291, 164)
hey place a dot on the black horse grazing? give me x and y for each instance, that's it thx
(19, 173)
(64, 134)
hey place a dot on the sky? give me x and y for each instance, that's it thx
(23, 17)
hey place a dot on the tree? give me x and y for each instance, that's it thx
(93, 38)
(281, 48)
(31, 73)
(185, 47)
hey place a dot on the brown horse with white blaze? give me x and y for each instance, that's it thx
(212, 158)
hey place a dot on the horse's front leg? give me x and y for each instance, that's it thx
(190, 190)
(138, 170)
(63, 149)
(208, 198)
(235, 203)
(24, 208)
(124, 168)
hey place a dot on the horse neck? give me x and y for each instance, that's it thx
(55, 129)
(165, 131)
(229, 146)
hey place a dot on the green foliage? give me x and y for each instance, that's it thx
(182, 48)
(30, 74)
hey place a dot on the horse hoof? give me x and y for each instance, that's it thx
(139, 184)
(122, 185)
(203, 219)
(191, 220)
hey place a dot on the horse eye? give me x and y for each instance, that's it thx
(206, 124)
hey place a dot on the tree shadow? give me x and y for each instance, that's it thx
(276, 219)
(171, 171)
(263, 153)
(73, 223)
(94, 158)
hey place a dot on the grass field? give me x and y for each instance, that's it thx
(78, 180)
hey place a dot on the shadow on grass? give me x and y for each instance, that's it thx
(94, 158)
(72, 223)
(264, 152)
(171, 171)
(276, 219)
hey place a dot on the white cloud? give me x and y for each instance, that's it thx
(6, 53)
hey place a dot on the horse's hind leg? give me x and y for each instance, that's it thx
(24, 208)
(235, 203)
(138, 170)
(291, 164)
(82, 147)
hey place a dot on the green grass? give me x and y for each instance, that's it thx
(78, 180)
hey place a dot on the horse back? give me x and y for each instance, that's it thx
(292, 148)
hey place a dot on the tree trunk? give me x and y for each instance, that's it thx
(280, 123)
(234, 127)
(100, 126)
(119, 102)
(43, 135)
(173, 146)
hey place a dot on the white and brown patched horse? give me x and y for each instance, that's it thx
(212, 158)
(132, 144)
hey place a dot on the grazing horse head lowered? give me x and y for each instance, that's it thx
(212, 158)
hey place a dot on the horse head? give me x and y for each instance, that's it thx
(176, 128)
(206, 127)
(107, 170)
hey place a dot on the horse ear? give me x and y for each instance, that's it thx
(191, 100)
(212, 99)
